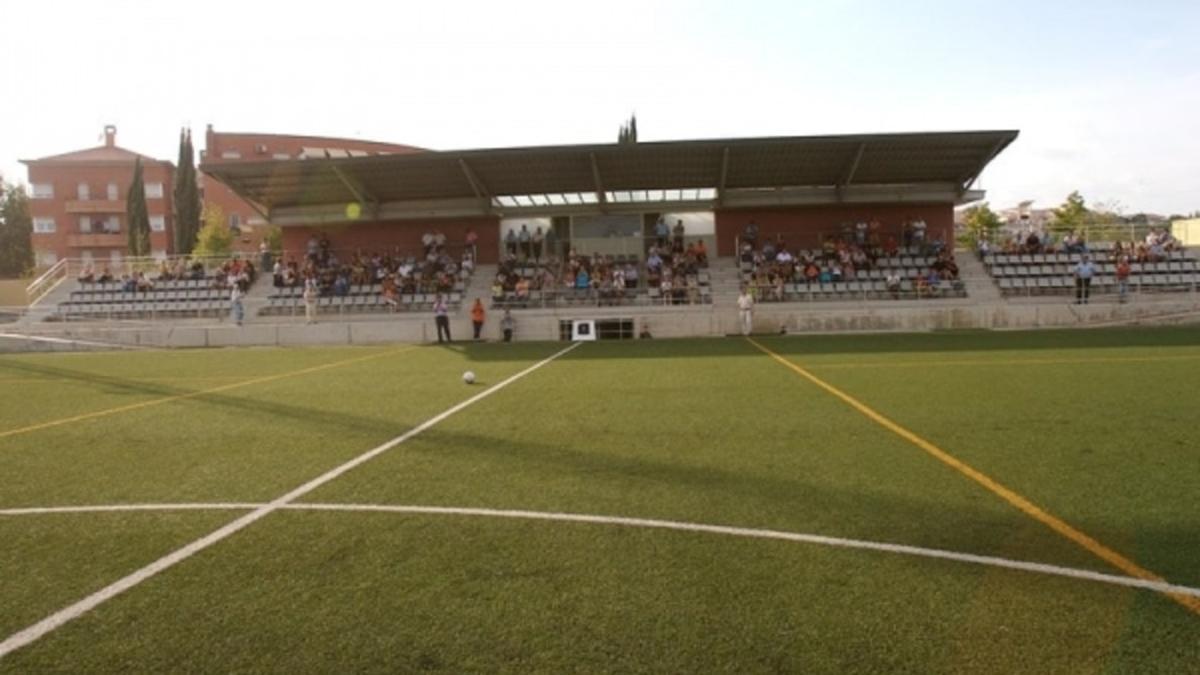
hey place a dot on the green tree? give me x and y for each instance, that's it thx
(186, 195)
(275, 239)
(136, 217)
(16, 231)
(1072, 215)
(982, 222)
(628, 132)
(214, 239)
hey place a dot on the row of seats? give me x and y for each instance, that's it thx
(143, 309)
(359, 302)
(1100, 284)
(1071, 258)
(864, 290)
(172, 285)
(567, 297)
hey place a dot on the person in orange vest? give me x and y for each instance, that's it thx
(477, 315)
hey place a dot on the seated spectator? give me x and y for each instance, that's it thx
(390, 294)
(582, 281)
(341, 286)
(142, 283)
(105, 275)
(522, 289)
(128, 283)
(701, 253)
(892, 282)
(87, 275)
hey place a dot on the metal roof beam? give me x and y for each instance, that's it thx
(596, 179)
(724, 175)
(361, 195)
(967, 180)
(847, 176)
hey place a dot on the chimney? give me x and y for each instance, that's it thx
(110, 136)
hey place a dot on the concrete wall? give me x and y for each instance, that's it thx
(662, 322)
(804, 226)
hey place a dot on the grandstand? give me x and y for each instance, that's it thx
(1051, 273)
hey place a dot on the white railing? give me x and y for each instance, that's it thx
(47, 282)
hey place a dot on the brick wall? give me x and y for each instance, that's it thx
(803, 226)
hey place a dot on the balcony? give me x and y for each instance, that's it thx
(97, 240)
(96, 206)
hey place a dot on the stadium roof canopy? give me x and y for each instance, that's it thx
(913, 167)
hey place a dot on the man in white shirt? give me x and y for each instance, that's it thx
(745, 303)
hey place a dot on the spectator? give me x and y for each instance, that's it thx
(1123, 270)
(236, 310)
(677, 238)
(506, 325)
(750, 234)
(538, 238)
(391, 294)
(87, 275)
(441, 318)
(661, 232)
(1083, 280)
(510, 243)
(745, 303)
(477, 316)
(471, 240)
(310, 299)
(525, 240)
(893, 284)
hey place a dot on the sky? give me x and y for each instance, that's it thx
(1106, 95)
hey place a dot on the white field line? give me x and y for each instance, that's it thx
(752, 533)
(74, 611)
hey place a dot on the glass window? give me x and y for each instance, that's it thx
(158, 223)
(113, 193)
(46, 258)
(43, 191)
(154, 190)
(84, 192)
(85, 224)
(44, 225)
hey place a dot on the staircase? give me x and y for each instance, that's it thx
(725, 277)
(480, 285)
(981, 288)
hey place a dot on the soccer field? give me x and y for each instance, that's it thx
(933, 503)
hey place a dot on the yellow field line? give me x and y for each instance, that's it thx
(194, 394)
(1009, 362)
(60, 378)
(1029, 508)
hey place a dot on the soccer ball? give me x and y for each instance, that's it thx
(469, 377)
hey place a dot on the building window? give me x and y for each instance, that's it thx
(85, 224)
(159, 254)
(84, 192)
(44, 225)
(235, 221)
(113, 194)
(158, 223)
(46, 258)
(154, 191)
(114, 256)
(86, 256)
(282, 155)
(43, 191)
(231, 154)
(112, 225)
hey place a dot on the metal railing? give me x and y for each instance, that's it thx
(48, 281)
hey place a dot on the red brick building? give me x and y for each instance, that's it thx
(226, 147)
(77, 201)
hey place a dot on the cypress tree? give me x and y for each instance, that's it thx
(186, 196)
(136, 216)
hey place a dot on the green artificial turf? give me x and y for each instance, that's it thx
(1091, 426)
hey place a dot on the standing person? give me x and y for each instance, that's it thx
(538, 237)
(1123, 270)
(471, 241)
(236, 310)
(477, 315)
(745, 303)
(1083, 279)
(310, 299)
(524, 238)
(551, 243)
(661, 232)
(441, 317)
(510, 243)
(506, 325)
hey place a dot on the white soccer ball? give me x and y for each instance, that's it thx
(469, 377)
